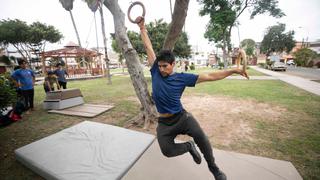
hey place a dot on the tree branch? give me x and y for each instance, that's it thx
(19, 50)
(176, 25)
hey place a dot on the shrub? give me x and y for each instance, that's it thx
(7, 92)
(192, 67)
(310, 64)
(262, 65)
(304, 57)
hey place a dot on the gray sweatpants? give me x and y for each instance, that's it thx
(183, 123)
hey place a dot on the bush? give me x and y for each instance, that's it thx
(5, 60)
(305, 57)
(7, 92)
(221, 65)
(310, 64)
(192, 67)
(262, 65)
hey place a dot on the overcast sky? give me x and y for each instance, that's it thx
(302, 16)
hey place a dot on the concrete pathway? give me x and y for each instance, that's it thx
(40, 80)
(153, 165)
(299, 82)
(253, 78)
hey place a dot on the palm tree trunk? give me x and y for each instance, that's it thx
(75, 28)
(105, 44)
(100, 61)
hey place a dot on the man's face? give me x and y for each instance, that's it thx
(165, 68)
(23, 65)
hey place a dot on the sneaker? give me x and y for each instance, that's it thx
(220, 175)
(194, 153)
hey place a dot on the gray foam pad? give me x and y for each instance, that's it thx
(84, 110)
(88, 150)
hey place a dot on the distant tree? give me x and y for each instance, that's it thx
(157, 31)
(224, 14)
(15, 33)
(249, 46)
(27, 39)
(135, 39)
(277, 40)
(305, 57)
(40, 34)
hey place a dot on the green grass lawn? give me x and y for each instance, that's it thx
(296, 138)
(251, 72)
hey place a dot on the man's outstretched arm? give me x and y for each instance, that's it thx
(220, 75)
(151, 56)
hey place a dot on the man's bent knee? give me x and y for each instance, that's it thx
(168, 152)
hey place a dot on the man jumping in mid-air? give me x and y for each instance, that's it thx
(167, 89)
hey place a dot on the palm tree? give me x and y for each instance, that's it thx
(171, 9)
(94, 5)
(68, 5)
(105, 42)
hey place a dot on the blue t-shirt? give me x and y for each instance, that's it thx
(167, 91)
(25, 77)
(61, 75)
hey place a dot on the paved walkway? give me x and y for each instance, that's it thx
(253, 78)
(237, 166)
(40, 80)
(299, 82)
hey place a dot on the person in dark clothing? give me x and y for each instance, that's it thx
(24, 80)
(49, 82)
(167, 89)
(61, 74)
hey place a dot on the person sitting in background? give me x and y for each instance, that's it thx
(49, 82)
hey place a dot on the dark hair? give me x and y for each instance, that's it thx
(166, 56)
(50, 72)
(21, 61)
(59, 64)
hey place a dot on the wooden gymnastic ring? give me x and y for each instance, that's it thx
(242, 56)
(129, 10)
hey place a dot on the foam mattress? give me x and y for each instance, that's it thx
(88, 150)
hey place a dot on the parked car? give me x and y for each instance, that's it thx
(290, 62)
(278, 66)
